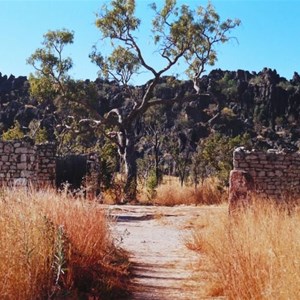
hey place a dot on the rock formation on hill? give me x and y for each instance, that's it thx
(262, 104)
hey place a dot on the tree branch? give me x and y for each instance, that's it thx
(97, 124)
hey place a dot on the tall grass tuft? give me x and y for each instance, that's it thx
(208, 193)
(253, 255)
(54, 246)
(26, 249)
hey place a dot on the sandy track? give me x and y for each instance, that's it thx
(155, 238)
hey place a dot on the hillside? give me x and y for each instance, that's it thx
(263, 104)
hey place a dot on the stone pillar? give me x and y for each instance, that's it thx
(92, 177)
(45, 165)
(241, 186)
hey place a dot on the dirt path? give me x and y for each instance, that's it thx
(155, 238)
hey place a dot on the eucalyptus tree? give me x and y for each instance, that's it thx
(180, 34)
(51, 67)
(52, 86)
(49, 83)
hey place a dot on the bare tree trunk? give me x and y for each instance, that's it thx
(156, 158)
(182, 176)
(130, 188)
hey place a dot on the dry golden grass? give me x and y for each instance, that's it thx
(115, 193)
(54, 246)
(26, 250)
(253, 255)
(171, 193)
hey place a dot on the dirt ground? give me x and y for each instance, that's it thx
(163, 267)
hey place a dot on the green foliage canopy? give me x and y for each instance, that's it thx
(213, 156)
(178, 32)
(51, 67)
(14, 133)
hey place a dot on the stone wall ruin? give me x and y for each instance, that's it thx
(274, 174)
(22, 163)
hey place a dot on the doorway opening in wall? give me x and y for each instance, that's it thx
(71, 170)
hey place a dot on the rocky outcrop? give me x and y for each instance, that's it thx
(14, 96)
(263, 104)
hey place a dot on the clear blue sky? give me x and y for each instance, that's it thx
(268, 36)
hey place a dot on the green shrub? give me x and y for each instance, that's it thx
(214, 156)
(14, 133)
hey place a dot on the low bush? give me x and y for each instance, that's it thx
(54, 246)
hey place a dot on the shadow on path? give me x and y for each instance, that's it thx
(155, 239)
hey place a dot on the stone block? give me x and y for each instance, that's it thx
(13, 157)
(251, 157)
(256, 165)
(262, 156)
(26, 174)
(243, 165)
(263, 162)
(21, 150)
(22, 166)
(8, 148)
(23, 157)
(269, 166)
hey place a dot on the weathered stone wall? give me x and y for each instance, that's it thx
(271, 174)
(22, 164)
(46, 164)
(93, 176)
